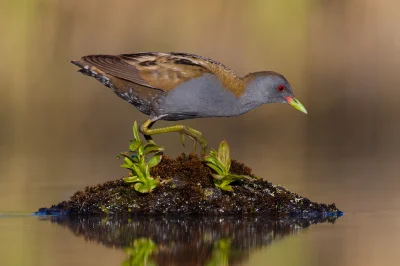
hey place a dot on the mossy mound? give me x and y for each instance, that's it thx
(187, 187)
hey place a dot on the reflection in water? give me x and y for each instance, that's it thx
(139, 252)
(220, 253)
(186, 240)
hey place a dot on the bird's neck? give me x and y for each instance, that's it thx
(251, 98)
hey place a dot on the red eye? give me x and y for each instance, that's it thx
(280, 88)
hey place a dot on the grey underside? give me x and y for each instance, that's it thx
(206, 97)
(200, 97)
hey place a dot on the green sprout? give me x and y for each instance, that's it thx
(140, 252)
(135, 161)
(220, 162)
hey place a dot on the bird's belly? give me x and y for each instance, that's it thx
(201, 97)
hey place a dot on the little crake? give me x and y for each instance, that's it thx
(178, 86)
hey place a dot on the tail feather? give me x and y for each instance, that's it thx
(139, 96)
(92, 71)
(84, 69)
(80, 64)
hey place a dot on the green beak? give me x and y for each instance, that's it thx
(296, 104)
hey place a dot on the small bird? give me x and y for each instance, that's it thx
(178, 86)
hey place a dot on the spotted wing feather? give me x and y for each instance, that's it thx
(164, 71)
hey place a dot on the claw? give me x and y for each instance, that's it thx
(203, 150)
(194, 144)
(183, 139)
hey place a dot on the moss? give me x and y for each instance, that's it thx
(188, 188)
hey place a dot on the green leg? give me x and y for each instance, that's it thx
(148, 137)
(183, 130)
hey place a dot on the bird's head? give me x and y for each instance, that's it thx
(272, 87)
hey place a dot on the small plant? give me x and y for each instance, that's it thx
(220, 162)
(135, 161)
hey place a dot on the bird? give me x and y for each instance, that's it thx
(178, 86)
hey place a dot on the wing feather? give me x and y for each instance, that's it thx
(164, 71)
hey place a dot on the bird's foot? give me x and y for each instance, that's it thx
(196, 136)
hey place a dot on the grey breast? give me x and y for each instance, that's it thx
(200, 97)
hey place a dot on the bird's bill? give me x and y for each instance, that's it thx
(296, 104)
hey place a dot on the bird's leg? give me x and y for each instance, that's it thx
(148, 137)
(192, 133)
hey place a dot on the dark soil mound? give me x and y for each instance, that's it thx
(188, 188)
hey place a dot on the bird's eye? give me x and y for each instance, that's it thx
(280, 88)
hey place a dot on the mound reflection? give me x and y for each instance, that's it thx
(190, 240)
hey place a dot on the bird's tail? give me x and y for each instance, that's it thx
(92, 71)
(84, 68)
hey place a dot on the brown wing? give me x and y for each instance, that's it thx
(153, 70)
(164, 71)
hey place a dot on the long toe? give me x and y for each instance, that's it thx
(182, 138)
(194, 144)
(204, 146)
(204, 150)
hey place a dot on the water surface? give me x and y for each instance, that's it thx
(199, 240)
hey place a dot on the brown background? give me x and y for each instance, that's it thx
(60, 131)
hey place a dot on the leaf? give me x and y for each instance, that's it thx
(131, 179)
(125, 155)
(213, 153)
(216, 163)
(224, 154)
(128, 161)
(223, 186)
(147, 172)
(126, 166)
(142, 167)
(218, 177)
(227, 188)
(140, 153)
(142, 188)
(226, 182)
(156, 159)
(122, 155)
(215, 168)
(134, 145)
(136, 132)
(147, 186)
(151, 147)
(139, 173)
(135, 159)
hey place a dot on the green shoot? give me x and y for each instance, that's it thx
(220, 163)
(135, 161)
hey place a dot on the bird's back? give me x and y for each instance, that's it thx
(181, 85)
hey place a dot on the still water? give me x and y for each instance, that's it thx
(200, 240)
(60, 131)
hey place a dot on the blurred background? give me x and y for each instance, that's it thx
(60, 130)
